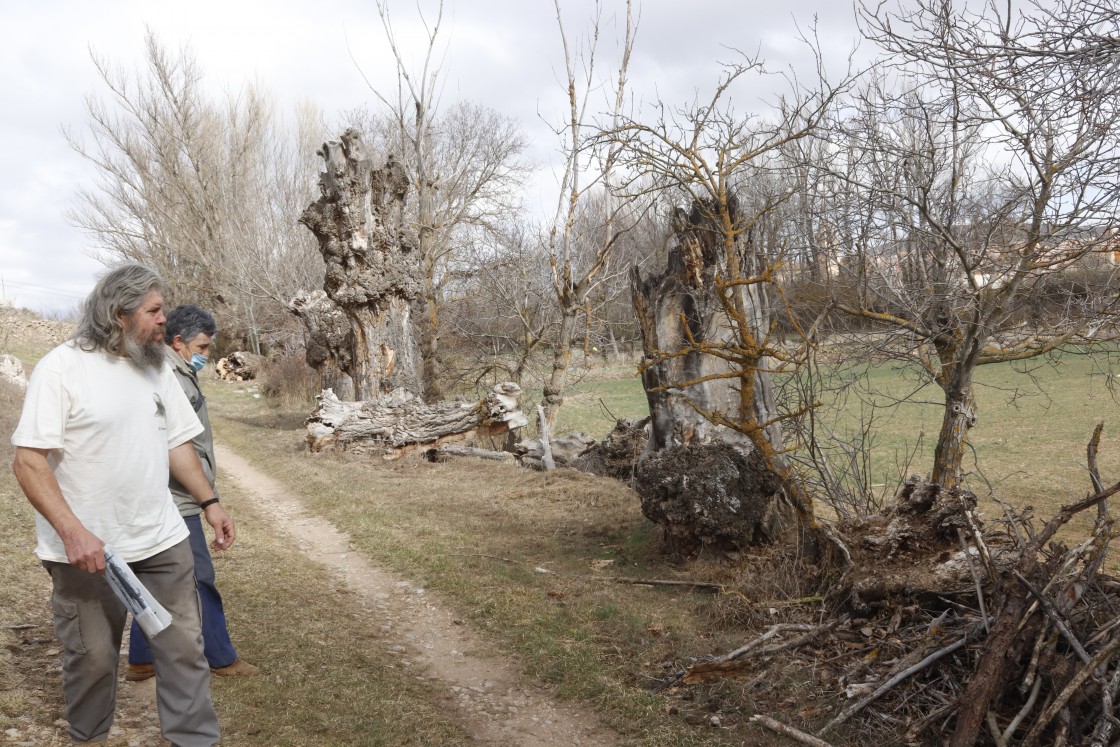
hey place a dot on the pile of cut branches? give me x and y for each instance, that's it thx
(951, 630)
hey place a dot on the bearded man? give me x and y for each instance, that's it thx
(104, 422)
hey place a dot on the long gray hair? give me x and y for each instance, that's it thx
(118, 293)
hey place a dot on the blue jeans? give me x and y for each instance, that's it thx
(218, 647)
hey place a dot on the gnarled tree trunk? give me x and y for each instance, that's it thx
(373, 270)
(330, 343)
(399, 421)
(701, 393)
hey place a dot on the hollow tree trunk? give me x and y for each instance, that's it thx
(373, 270)
(678, 311)
(704, 408)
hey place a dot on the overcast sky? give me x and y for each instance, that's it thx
(504, 54)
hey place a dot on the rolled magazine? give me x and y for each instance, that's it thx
(150, 614)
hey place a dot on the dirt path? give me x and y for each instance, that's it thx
(497, 706)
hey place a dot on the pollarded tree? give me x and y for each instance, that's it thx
(372, 265)
(709, 319)
(989, 167)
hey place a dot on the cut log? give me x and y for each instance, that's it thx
(561, 452)
(239, 366)
(615, 456)
(401, 421)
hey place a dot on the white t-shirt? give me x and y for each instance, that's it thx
(108, 425)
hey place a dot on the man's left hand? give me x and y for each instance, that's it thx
(224, 530)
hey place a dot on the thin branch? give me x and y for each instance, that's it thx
(855, 708)
(788, 731)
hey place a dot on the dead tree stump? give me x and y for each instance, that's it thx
(694, 387)
(373, 268)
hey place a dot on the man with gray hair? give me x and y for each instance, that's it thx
(104, 422)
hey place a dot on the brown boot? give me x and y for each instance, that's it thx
(238, 668)
(139, 672)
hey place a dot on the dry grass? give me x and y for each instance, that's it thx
(326, 679)
(527, 557)
(29, 688)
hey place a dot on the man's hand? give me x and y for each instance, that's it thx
(84, 550)
(83, 547)
(224, 530)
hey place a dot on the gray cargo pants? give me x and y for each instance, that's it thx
(89, 622)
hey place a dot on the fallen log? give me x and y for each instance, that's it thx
(443, 454)
(400, 421)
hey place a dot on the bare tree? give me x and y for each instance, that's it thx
(996, 168)
(199, 190)
(987, 170)
(584, 232)
(709, 319)
(465, 165)
(501, 309)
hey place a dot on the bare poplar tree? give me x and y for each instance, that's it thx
(465, 164)
(201, 190)
(501, 308)
(589, 221)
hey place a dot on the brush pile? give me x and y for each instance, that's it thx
(949, 629)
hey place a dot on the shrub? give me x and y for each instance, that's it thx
(288, 380)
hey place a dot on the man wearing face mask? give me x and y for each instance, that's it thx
(189, 334)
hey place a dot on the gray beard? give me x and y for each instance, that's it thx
(144, 355)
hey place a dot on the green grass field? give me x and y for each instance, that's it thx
(1035, 419)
